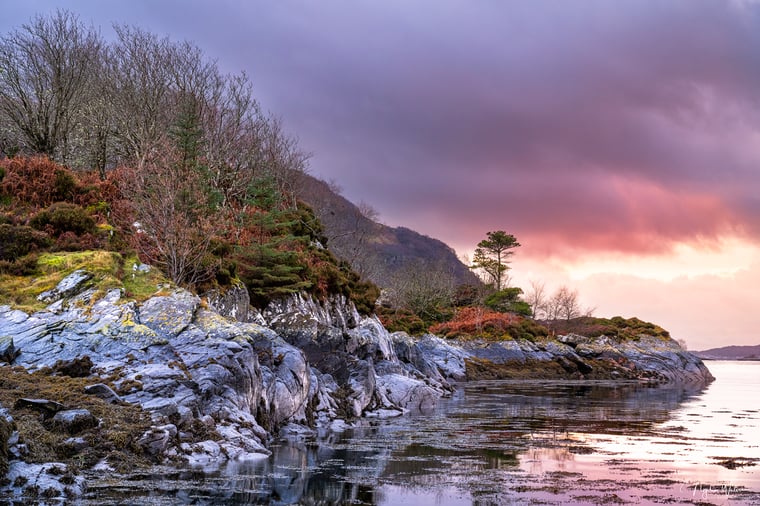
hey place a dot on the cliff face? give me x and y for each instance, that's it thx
(216, 388)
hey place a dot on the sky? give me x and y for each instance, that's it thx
(619, 141)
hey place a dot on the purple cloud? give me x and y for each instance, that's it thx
(620, 126)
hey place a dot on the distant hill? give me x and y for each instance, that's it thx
(731, 353)
(375, 250)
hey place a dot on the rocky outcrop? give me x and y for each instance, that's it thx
(356, 352)
(200, 374)
(655, 360)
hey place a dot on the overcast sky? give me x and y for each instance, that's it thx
(619, 141)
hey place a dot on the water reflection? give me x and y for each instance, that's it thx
(497, 443)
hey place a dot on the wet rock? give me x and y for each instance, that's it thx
(50, 483)
(361, 384)
(104, 392)
(44, 406)
(68, 286)
(408, 393)
(204, 454)
(74, 421)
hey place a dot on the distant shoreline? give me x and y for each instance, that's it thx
(744, 359)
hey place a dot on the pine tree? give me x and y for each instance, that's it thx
(492, 253)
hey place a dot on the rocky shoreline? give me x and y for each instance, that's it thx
(215, 379)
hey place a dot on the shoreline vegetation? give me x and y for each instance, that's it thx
(167, 297)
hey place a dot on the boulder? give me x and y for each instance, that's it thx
(74, 421)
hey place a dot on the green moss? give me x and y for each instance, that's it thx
(141, 285)
(110, 271)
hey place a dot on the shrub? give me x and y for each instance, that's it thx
(401, 321)
(476, 322)
(466, 295)
(17, 241)
(63, 217)
(22, 266)
(69, 241)
(508, 300)
(37, 181)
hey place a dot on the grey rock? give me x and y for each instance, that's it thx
(74, 421)
(67, 287)
(499, 352)
(233, 303)
(141, 268)
(76, 444)
(169, 315)
(157, 440)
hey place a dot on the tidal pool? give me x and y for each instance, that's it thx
(506, 442)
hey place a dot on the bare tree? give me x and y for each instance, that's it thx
(536, 298)
(175, 218)
(46, 66)
(423, 288)
(137, 70)
(564, 304)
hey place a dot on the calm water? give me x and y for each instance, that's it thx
(510, 443)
